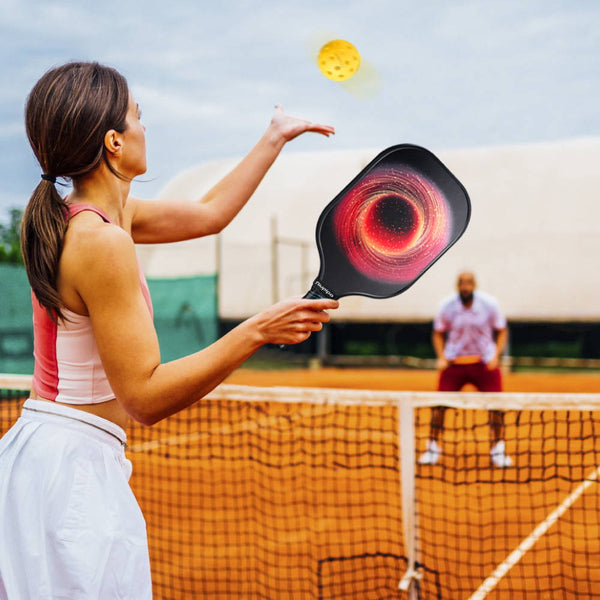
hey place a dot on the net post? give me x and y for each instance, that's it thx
(406, 439)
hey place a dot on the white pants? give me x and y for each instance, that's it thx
(70, 526)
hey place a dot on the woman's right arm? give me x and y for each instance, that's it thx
(107, 280)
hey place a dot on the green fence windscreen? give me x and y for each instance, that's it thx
(16, 330)
(185, 316)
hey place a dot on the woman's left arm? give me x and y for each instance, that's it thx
(158, 221)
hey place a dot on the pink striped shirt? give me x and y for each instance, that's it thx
(470, 331)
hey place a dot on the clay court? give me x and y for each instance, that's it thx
(249, 496)
(411, 380)
(258, 499)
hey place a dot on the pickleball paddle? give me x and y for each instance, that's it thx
(394, 220)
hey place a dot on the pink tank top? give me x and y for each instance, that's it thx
(67, 364)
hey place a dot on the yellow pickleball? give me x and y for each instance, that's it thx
(338, 60)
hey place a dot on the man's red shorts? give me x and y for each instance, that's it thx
(455, 377)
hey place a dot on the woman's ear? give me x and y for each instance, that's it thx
(113, 142)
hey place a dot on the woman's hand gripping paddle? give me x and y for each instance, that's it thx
(389, 225)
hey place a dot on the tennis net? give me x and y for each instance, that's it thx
(303, 493)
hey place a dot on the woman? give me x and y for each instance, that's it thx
(69, 523)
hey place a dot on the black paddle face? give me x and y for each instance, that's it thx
(389, 225)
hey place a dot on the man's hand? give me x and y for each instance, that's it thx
(492, 364)
(442, 364)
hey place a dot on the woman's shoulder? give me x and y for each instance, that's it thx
(95, 254)
(92, 245)
(89, 232)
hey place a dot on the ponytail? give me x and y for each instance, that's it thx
(42, 236)
(67, 114)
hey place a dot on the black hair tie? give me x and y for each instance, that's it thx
(49, 178)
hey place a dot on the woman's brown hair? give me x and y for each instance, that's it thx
(67, 114)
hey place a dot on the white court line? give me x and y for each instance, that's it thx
(515, 556)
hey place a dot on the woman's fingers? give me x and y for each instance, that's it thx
(292, 321)
(312, 320)
(321, 304)
(326, 130)
(290, 127)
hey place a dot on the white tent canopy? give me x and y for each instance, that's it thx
(533, 240)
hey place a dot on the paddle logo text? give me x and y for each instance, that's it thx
(323, 288)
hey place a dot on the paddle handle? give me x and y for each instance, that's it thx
(315, 293)
(312, 295)
(318, 291)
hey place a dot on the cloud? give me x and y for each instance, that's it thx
(12, 129)
(207, 74)
(179, 105)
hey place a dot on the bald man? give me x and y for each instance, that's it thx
(469, 335)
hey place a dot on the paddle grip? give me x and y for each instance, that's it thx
(311, 295)
(318, 291)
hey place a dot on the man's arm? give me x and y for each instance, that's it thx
(439, 341)
(501, 339)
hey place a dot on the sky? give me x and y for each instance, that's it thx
(441, 74)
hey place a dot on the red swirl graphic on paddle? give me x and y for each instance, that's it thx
(393, 224)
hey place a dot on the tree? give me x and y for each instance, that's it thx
(10, 235)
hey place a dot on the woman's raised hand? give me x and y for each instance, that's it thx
(290, 127)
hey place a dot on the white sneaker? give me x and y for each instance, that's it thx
(431, 455)
(499, 457)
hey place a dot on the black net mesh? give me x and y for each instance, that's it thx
(251, 494)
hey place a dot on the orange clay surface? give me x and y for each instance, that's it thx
(275, 500)
(409, 380)
(296, 501)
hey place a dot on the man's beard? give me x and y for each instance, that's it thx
(466, 298)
